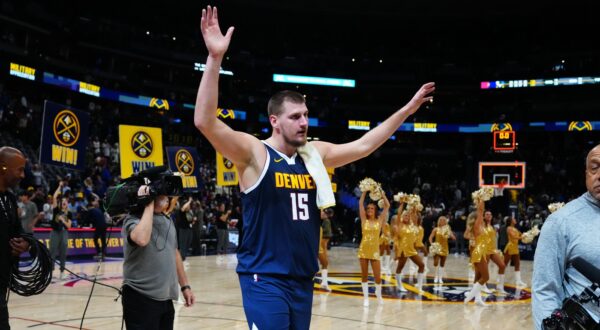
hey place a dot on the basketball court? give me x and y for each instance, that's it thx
(219, 303)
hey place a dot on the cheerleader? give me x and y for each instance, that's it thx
(419, 246)
(511, 251)
(478, 254)
(369, 245)
(441, 233)
(326, 234)
(468, 235)
(493, 253)
(406, 235)
(385, 248)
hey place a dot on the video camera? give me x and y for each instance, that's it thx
(124, 198)
(579, 311)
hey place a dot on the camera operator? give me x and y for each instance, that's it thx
(568, 233)
(152, 267)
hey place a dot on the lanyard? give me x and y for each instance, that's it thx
(5, 204)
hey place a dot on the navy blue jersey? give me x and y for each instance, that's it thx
(281, 220)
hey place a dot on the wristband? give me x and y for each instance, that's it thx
(185, 287)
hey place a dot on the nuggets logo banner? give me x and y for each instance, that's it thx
(140, 148)
(64, 136)
(185, 160)
(226, 172)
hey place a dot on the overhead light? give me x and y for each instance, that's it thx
(147, 33)
(174, 38)
(353, 60)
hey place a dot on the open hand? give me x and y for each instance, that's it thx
(215, 41)
(422, 96)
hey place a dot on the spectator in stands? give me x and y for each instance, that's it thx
(222, 222)
(61, 222)
(199, 226)
(28, 212)
(98, 221)
(184, 219)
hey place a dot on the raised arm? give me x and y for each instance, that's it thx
(386, 209)
(236, 146)
(478, 225)
(361, 207)
(186, 207)
(56, 195)
(336, 155)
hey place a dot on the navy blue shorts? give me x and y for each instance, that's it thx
(276, 302)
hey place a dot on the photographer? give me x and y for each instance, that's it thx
(568, 233)
(152, 267)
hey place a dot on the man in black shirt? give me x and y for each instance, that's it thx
(96, 217)
(222, 223)
(184, 218)
(12, 170)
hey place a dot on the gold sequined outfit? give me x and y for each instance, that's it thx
(479, 252)
(407, 235)
(419, 241)
(386, 234)
(441, 236)
(512, 247)
(369, 245)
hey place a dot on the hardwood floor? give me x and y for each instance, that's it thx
(219, 303)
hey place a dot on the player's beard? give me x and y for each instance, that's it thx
(294, 143)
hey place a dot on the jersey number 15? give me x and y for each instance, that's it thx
(299, 206)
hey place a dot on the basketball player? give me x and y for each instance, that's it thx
(368, 251)
(278, 257)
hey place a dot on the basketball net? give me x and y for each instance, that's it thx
(499, 190)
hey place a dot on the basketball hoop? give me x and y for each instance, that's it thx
(499, 189)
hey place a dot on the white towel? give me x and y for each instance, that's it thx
(316, 169)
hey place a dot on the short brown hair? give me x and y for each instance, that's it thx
(275, 106)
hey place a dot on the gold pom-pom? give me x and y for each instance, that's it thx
(529, 235)
(484, 194)
(435, 248)
(555, 207)
(368, 184)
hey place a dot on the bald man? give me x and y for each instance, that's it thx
(568, 233)
(12, 170)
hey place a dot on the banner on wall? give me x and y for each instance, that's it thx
(64, 136)
(185, 160)
(140, 148)
(227, 174)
